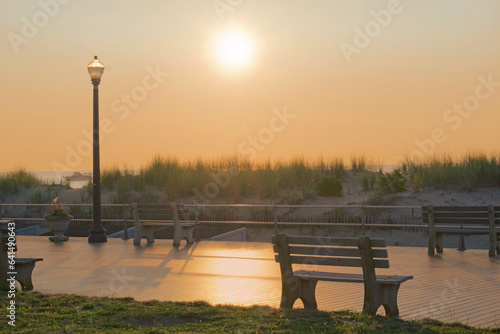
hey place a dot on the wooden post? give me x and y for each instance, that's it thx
(461, 242)
(363, 220)
(177, 225)
(125, 223)
(196, 220)
(493, 234)
(372, 293)
(290, 285)
(275, 220)
(432, 234)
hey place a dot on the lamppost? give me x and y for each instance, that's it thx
(96, 68)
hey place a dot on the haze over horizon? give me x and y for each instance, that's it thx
(264, 80)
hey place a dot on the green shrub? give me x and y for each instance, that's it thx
(391, 183)
(329, 186)
(369, 180)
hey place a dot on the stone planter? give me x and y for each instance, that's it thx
(58, 225)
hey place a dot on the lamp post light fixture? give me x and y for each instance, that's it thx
(96, 68)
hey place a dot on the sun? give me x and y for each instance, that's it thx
(233, 49)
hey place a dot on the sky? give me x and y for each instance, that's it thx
(385, 79)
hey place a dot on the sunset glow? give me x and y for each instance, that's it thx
(233, 49)
(197, 80)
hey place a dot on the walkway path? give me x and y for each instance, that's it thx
(454, 286)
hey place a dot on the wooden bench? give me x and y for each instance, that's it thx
(461, 220)
(22, 267)
(148, 217)
(327, 251)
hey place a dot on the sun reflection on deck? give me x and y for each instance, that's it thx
(245, 273)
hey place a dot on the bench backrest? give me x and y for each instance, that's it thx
(460, 215)
(158, 212)
(329, 251)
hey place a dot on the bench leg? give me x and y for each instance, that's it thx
(177, 235)
(290, 291)
(24, 276)
(494, 246)
(188, 234)
(371, 302)
(439, 242)
(177, 242)
(432, 243)
(492, 252)
(390, 299)
(137, 238)
(183, 233)
(143, 232)
(308, 293)
(461, 243)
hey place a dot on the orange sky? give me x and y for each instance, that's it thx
(331, 78)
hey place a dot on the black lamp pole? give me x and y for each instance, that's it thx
(96, 68)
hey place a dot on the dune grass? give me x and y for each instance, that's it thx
(14, 181)
(359, 163)
(469, 171)
(225, 178)
(232, 178)
(37, 313)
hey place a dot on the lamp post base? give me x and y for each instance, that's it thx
(97, 236)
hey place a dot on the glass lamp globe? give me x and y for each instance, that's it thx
(95, 68)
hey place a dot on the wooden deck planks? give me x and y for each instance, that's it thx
(454, 286)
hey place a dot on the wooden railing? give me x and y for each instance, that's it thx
(357, 216)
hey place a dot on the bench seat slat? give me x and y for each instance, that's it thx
(329, 241)
(455, 220)
(332, 251)
(457, 208)
(25, 261)
(461, 214)
(333, 261)
(462, 231)
(349, 278)
(464, 220)
(457, 214)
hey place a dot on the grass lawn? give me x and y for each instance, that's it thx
(43, 313)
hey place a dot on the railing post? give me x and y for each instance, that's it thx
(493, 234)
(125, 223)
(275, 219)
(432, 235)
(196, 218)
(363, 220)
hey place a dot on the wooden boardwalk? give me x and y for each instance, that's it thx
(454, 286)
